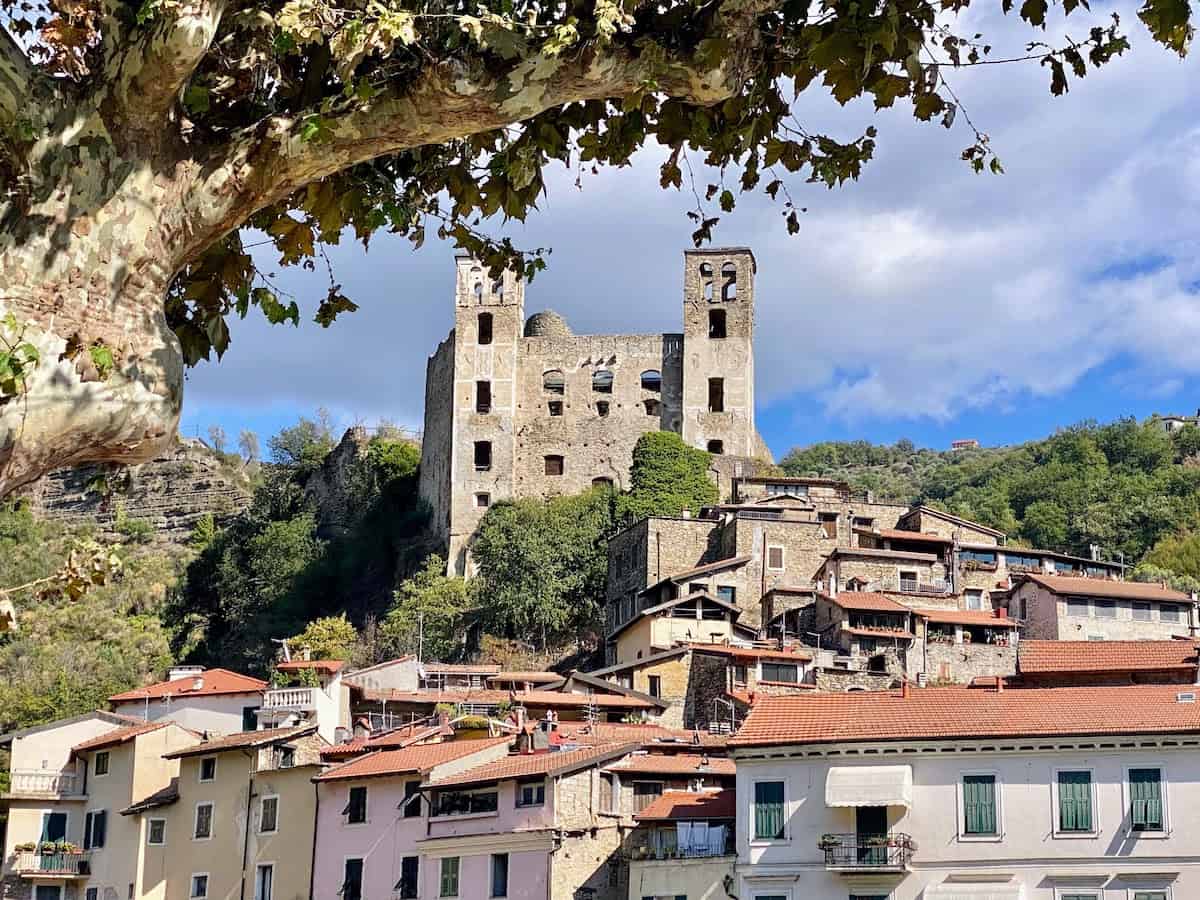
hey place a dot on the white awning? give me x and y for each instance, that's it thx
(974, 892)
(869, 786)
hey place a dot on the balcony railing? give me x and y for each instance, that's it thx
(908, 586)
(873, 852)
(46, 783)
(290, 698)
(31, 864)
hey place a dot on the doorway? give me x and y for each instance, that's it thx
(871, 822)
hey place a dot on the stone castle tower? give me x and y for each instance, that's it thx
(526, 408)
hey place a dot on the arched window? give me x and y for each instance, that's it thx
(728, 281)
(553, 382)
(716, 447)
(603, 482)
(652, 380)
(498, 288)
(478, 290)
(602, 381)
(706, 281)
(485, 328)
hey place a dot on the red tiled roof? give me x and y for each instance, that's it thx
(793, 655)
(462, 668)
(676, 764)
(960, 712)
(118, 736)
(216, 681)
(866, 601)
(532, 677)
(545, 763)
(1103, 587)
(899, 534)
(394, 739)
(526, 698)
(329, 666)
(649, 735)
(1035, 657)
(242, 740)
(684, 805)
(419, 758)
(966, 617)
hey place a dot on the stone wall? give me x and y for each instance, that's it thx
(709, 679)
(962, 663)
(437, 439)
(847, 679)
(172, 493)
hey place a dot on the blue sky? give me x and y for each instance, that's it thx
(922, 301)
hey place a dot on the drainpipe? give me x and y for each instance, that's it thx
(312, 866)
(246, 832)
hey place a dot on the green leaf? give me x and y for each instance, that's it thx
(196, 99)
(334, 304)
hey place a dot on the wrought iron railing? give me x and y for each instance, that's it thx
(862, 851)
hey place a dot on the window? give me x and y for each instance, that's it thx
(655, 682)
(1077, 896)
(739, 674)
(652, 380)
(787, 673)
(979, 805)
(602, 481)
(1145, 800)
(448, 886)
(1142, 611)
(483, 456)
(727, 592)
(499, 874)
(974, 599)
(1077, 606)
(716, 324)
(411, 804)
(1150, 895)
(355, 810)
(91, 894)
(484, 328)
(352, 880)
(287, 757)
(406, 887)
(483, 397)
(909, 580)
(653, 407)
(1105, 609)
(95, 829)
(769, 820)
(531, 793)
(208, 768)
(249, 718)
(54, 826)
(554, 383)
(716, 395)
(1075, 802)
(645, 793)
(483, 500)
(716, 448)
(268, 815)
(829, 524)
(460, 803)
(1169, 613)
(199, 887)
(774, 557)
(554, 465)
(555, 408)
(602, 381)
(979, 557)
(101, 764)
(157, 833)
(202, 829)
(728, 282)
(264, 881)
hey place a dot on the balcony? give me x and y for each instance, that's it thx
(909, 586)
(300, 698)
(40, 783)
(870, 853)
(32, 864)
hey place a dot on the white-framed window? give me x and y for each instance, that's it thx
(199, 889)
(355, 810)
(202, 827)
(974, 598)
(1147, 813)
(775, 558)
(268, 814)
(208, 769)
(100, 764)
(1074, 808)
(1077, 893)
(156, 832)
(1157, 893)
(92, 893)
(768, 810)
(980, 805)
(264, 881)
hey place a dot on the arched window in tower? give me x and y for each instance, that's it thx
(652, 380)
(602, 381)
(498, 289)
(478, 291)
(485, 328)
(553, 382)
(728, 282)
(706, 281)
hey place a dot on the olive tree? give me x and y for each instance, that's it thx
(140, 140)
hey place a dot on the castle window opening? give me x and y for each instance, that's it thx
(716, 447)
(483, 501)
(652, 407)
(602, 381)
(602, 481)
(483, 456)
(716, 395)
(554, 465)
(716, 324)
(483, 397)
(706, 276)
(652, 380)
(498, 288)
(485, 328)
(602, 408)
(728, 282)
(478, 290)
(553, 382)
(555, 407)
(775, 558)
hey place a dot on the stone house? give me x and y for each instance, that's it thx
(699, 617)
(913, 573)
(1067, 608)
(526, 408)
(683, 846)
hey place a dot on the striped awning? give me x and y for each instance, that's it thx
(869, 786)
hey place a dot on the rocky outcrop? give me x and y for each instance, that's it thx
(161, 500)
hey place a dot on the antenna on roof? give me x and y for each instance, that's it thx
(287, 651)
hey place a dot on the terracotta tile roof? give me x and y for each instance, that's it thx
(552, 762)
(527, 698)
(462, 668)
(868, 601)
(532, 677)
(966, 617)
(947, 713)
(216, 681)
(420, 758)
(242, 740)
(395, 739)
(685, 805)
(657, 736)
(329, 666)
(899, 534)
(1035, 657)
(164, 796)
(880, 632)
(118, 736)
(708, 568)
(1103, 587)
(790, 654)
(675, 764)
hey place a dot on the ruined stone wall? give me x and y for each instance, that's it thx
(845, 680)
(657, 548)
(171, 493)
(962, 663)
(917, 520)
(709, 680)
(437, 441)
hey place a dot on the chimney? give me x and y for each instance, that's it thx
(443, 718)
(904, 689)
(999, 684)
(686, 513)
(178, 673)
(198, 683)
(999, 611)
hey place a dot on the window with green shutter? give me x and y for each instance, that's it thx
(768, 811)
(1145, 799)
(1149, 895)
(448, 886)
(1074, 801)
(979, 804)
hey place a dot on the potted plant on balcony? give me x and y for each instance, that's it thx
(829, 842)
(66, 847)
(879, 840)
(47, 848)
(27, 847)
